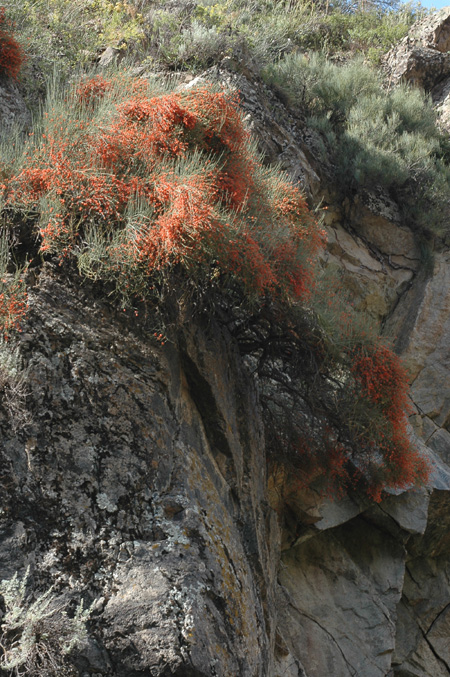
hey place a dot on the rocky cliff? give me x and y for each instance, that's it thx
(139, 480)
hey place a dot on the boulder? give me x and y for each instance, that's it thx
(422, 58)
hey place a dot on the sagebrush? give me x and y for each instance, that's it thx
(38, 636)
(373, 136)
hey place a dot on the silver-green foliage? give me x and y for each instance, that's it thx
(13, 385)
(36, 637)
(373, 136)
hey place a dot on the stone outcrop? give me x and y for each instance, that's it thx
(139, 484)
(423, 58)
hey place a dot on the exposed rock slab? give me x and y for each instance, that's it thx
(422, 325)
(122, 491)
(341, 593)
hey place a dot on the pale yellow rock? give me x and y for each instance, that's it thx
(376, 221)
(427, 353)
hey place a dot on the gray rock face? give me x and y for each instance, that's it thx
(353, 577)
(434, 30)
(422, 66)
(139, 483)
(358, 573)
(13, 110)
(422, 56)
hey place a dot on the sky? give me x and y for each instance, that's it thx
(437, 4)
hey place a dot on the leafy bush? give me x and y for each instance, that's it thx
(373, 136)
(71, 34)
(201, 45)
(381, 382)
(11, 53)
(165, 179)
(334, 396)
(320, 86)
(155, 192)
(371, 32)
(36, 637)
(272, 29)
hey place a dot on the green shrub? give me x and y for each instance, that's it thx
(202, 46)
(372, 136)
(36, 637)
(371, 32)
(70, 34)
(319, 86)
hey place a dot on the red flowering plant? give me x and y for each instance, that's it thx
(335, 402)
(11, 53)
(182, 161)
(147, 188)
(381, 383)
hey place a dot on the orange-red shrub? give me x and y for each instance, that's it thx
(13, 304)
(382, 381)
(11, 53)
(188, 158)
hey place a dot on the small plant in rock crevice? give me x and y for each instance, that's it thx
(13, 385)
(13, 294)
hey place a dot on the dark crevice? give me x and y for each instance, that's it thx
(203, 397)
(408, 570)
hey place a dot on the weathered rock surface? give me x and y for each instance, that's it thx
(423, 58)
(139, 483)
(422, 324)
(14, 113)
